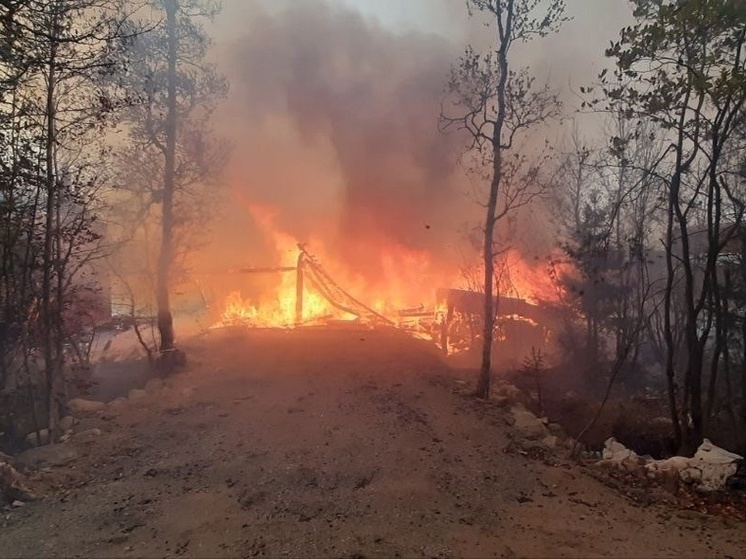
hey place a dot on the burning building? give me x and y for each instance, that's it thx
(338, 150)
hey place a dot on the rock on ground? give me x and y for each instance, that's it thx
(83, 406)
(12, 486)
(330, 443)
(38, 438)
(67, 422)
(527, 425)
(51, 455)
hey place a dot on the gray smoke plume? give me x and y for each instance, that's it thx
(339, 129)
(334, 120)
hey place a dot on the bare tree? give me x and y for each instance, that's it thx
(172, 150)
(496, 105)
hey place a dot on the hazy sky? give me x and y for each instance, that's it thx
(447, 17)
(574, 57)
(578, 50)
(444, 17)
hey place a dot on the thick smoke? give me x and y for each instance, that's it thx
(338, 129)
(334, 119)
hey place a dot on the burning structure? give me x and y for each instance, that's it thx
(307, 294)
(374, 193)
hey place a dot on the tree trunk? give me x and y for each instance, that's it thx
(671, 345)
(49, 345)
(165, 318)
(485, 371)
(743, 385)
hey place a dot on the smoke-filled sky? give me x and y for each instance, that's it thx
(333, 113)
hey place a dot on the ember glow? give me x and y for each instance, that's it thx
(528, 280)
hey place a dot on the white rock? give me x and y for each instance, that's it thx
(67, 422)
(710, 467)
(616, 451)
(616, 455)
(38, 439)
(708, 470)
(672, 465)
(82, 406)
(712, 454)
(527, 424)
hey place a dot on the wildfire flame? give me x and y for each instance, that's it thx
(408, 280)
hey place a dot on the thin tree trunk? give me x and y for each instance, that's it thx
(731, 395)
(59, 308)
(668, 326)
(485, 372)
(165, 318)
(719, 308)
(49, 345)
(488, 254)
(743, 346)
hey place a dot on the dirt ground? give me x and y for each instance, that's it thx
(329, 443)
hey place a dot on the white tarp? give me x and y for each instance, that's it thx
(707, 470)
(710, 467)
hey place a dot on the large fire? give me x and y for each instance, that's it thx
(403, 294)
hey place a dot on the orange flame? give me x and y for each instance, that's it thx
(408, 280)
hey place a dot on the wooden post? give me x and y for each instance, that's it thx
(444, 326)
(299, 291)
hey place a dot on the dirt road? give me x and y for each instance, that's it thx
(329, 444)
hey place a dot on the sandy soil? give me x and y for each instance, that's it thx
(329, 443)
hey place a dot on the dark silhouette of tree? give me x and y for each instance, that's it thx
(681, 66)
(172, 150)
(497, 105)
